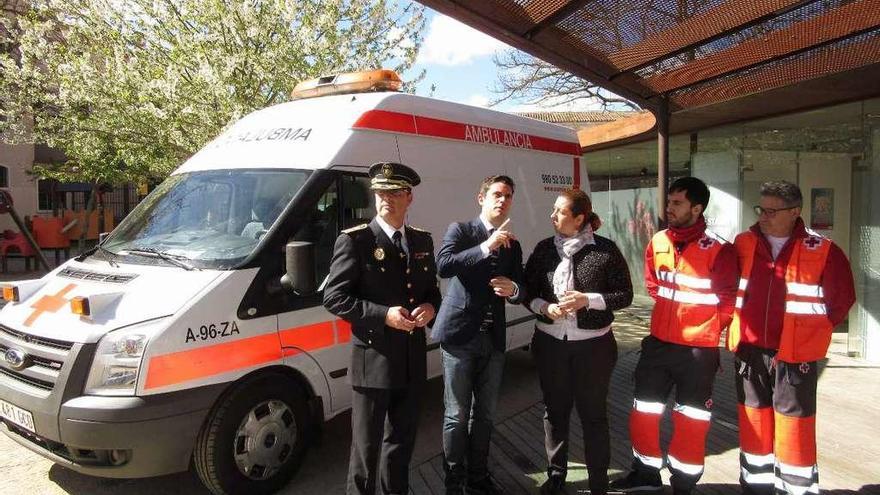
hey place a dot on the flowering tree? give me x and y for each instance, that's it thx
(130, 88)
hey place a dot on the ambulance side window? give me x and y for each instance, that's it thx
(321, 229)
(358, 201)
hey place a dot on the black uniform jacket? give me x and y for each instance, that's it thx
(366, 278)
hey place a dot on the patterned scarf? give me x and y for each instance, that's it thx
(563, 277)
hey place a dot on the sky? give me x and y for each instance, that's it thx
(458, 61)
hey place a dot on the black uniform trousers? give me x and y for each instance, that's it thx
(386, 421)
(691, 370)
(576, 373)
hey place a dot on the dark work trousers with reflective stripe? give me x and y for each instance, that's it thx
(384, 424)
(777, 423)
(576, 373)
(691, 370)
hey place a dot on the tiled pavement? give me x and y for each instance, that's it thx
(849, 455)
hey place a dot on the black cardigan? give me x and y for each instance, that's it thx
(599, 268)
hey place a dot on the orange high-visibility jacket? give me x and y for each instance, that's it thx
(806, 329)
(686, 309)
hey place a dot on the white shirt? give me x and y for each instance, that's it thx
(389, 231)
(567, 327)
(776, 244)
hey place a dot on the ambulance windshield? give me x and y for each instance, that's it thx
(210, 219)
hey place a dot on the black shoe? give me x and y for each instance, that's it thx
(483, 486)
(636, 482)
(553, 485)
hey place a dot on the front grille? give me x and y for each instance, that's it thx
(45, 358)
(112, 278)
(33, 382)
(31, 339)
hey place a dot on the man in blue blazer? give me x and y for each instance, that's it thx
(484, 262)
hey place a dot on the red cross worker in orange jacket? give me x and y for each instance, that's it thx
(795, 287)
(692, 275)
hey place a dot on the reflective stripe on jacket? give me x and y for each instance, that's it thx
(686, 304)
(806, 328)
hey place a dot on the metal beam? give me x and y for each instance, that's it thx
(565, 57)
(826, 61)
(662, 115)
(561, 14)
(718, 22)
(840, 23)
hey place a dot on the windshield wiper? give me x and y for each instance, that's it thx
(108, 255)
(155, 253)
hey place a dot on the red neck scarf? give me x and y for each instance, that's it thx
(684, 235)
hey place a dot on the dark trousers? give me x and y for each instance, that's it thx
(576, 373)
(471, 382)
(691, 370)
(383, 432)
(777, 423)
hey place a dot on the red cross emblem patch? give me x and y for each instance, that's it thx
(813, 242)
(805, 368)
(706, 242)
(709, 404)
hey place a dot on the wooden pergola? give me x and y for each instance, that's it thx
(693, 63)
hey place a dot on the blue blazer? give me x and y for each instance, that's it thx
(468, 293)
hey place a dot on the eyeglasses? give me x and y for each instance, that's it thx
(759, 210)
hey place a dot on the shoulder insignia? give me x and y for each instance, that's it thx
(706, 242)
(417, 229)
(356, 228)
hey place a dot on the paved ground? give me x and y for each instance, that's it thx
(848, 437)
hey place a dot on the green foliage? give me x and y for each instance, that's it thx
(130, 88)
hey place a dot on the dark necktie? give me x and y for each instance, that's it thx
(493, 255)
(398, 238)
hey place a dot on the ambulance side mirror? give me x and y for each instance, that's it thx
(300, 267)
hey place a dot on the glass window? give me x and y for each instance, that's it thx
(213, 219)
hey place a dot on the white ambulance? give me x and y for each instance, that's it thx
(194, 335)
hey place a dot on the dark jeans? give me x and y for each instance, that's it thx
(576, 373)
(471, 380)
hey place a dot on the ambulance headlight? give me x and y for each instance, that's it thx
(117, 361)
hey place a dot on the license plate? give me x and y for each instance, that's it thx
(17, 415)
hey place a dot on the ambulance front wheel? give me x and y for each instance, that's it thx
(255, 437)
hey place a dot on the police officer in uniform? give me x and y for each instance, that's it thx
(383, 280)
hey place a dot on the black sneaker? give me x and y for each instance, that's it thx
(553, 486)
(484, 486)
(635, 482)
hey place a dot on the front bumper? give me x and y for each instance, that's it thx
(120, 437)
(125, 437)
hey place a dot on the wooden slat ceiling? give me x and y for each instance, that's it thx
(695, 54)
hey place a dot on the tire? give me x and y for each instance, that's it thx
(255, 438)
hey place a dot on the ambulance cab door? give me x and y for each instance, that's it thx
(308, 328)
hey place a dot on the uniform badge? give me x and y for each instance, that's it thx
(706, 242)
(708, 404)
(813, 242)
(379, 254)
(805, 368)
(387, 170)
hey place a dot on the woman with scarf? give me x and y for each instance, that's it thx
(574, 280)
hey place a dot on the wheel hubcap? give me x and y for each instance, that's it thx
(265, 439)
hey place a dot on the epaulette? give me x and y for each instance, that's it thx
(356, 228)
(419, 230)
